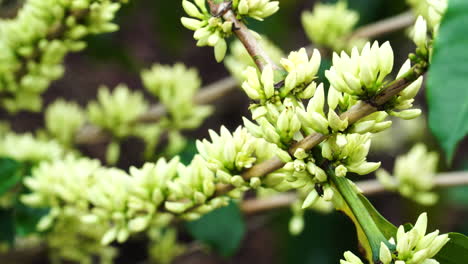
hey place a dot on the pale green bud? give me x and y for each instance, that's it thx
(335, 122)
(411, 91)
(267, 81)
(191, 23)
(341, 171)
(220, 49)
(191, 9)
(259, 112)
(109, 236)
(386, 59)
(420, 32)
(176, 207)
(333, 98)
(363, 127)
(421, 224)
(385, 255)
(138, 224)
(310, 199)
(237, 181)
(296, 225)
(349, 256)
(404, 68)
(364, 168)
(300, 153)
(420, 256)
(255, 182)
(328, 193)
(407, 114)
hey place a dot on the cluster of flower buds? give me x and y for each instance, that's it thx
(257, 9)
(301, 73)
(26, 147)
(175, 87)
(361, 74)
(36, 41)
(60, 184)
(324, 29)
(313, 117)
(229, 154)
(62, 121)
(373, 123)
(239, 59)
(413, 175)
(209, 30)
(348, 152)
(260, 88)
(414, 246)
(278, 126)
(114, 111)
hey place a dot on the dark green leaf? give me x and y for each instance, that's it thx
(448, 79)
(189, 152)
(11, 173)
(7, 226)
(456, 250)
(222, 229)
(26, 219)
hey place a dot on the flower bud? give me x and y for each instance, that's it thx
(310, 199)
(420, 32)
(385, 256)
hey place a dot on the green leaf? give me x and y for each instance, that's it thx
(11, 173)
(387, 228)
(448, 79)
(222, 229)
(456, 250)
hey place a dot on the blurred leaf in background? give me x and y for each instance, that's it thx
(223, 229)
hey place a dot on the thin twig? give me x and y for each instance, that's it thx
(251, 44)
(385, 26)
(368, 187)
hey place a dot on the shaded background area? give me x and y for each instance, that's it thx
(151, 33)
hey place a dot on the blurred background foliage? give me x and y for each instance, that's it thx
(151, 32)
